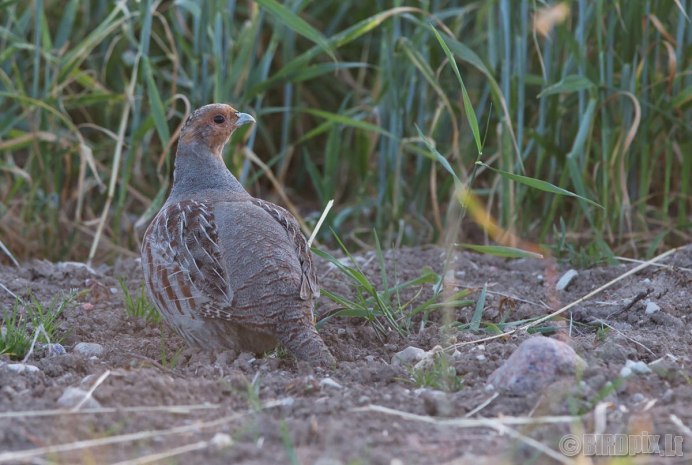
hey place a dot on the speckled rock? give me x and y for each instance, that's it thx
(436, 403)
(89, 349)
(72, 396)
(330, 383)
(54, 349)
(634, 367)
(22, 368)
(537, 362)
(409, 356)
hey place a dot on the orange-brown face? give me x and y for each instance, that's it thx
(212, 125)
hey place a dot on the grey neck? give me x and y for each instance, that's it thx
(198, 171)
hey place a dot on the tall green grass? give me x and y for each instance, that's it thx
(93, 95)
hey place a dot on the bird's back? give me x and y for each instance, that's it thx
(224, 260)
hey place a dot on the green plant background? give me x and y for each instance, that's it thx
(93, 92)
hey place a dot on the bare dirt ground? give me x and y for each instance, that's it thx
(267, 410)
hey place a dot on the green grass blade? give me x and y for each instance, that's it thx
(538, 184)
(335, 118)
(571, 83)
(502, 251)
(155, 103)
(478, 311)
(437, 156)
(468, 108)
(297, 24)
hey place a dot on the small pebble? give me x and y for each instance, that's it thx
(221, 440)
(651, 307)
(22, 368)
(429, 358)
(566, 280)
(436, 403)
(631, 366)
(73, 396)
(328, 382)
(328, 461)
(536, 363)
(89, 349)
(637, 398)
(408, 356)
(54, 349)
(665, 367)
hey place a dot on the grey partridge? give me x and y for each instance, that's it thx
(227, 270)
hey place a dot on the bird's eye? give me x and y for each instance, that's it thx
(218, 119)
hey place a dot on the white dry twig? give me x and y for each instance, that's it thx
(501, 425)
(38, 331)
(28, 454)
(19, 299)
(570, 305)
(683, 427)
(9, 254)
(482, 405)
(87, 396)
(177, 409)
(319, 223)
(158, 456)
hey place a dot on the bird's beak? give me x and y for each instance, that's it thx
(243, 118)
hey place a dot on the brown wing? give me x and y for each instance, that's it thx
(308, 284)
(183, 263)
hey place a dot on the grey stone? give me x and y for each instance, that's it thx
(566, 280)
(665, 367)
(651, 307)
(54, 349)
(429, 358)
(89, 349)
(22, 368)
(436, 403)
(72, 396)
(615, 349)
(409, 356)
(330, 383)
(536, 363)
(637, 398)
(221, 440)
(328, 461)
(632, 367)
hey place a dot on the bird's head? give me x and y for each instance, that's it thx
(212, 126)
